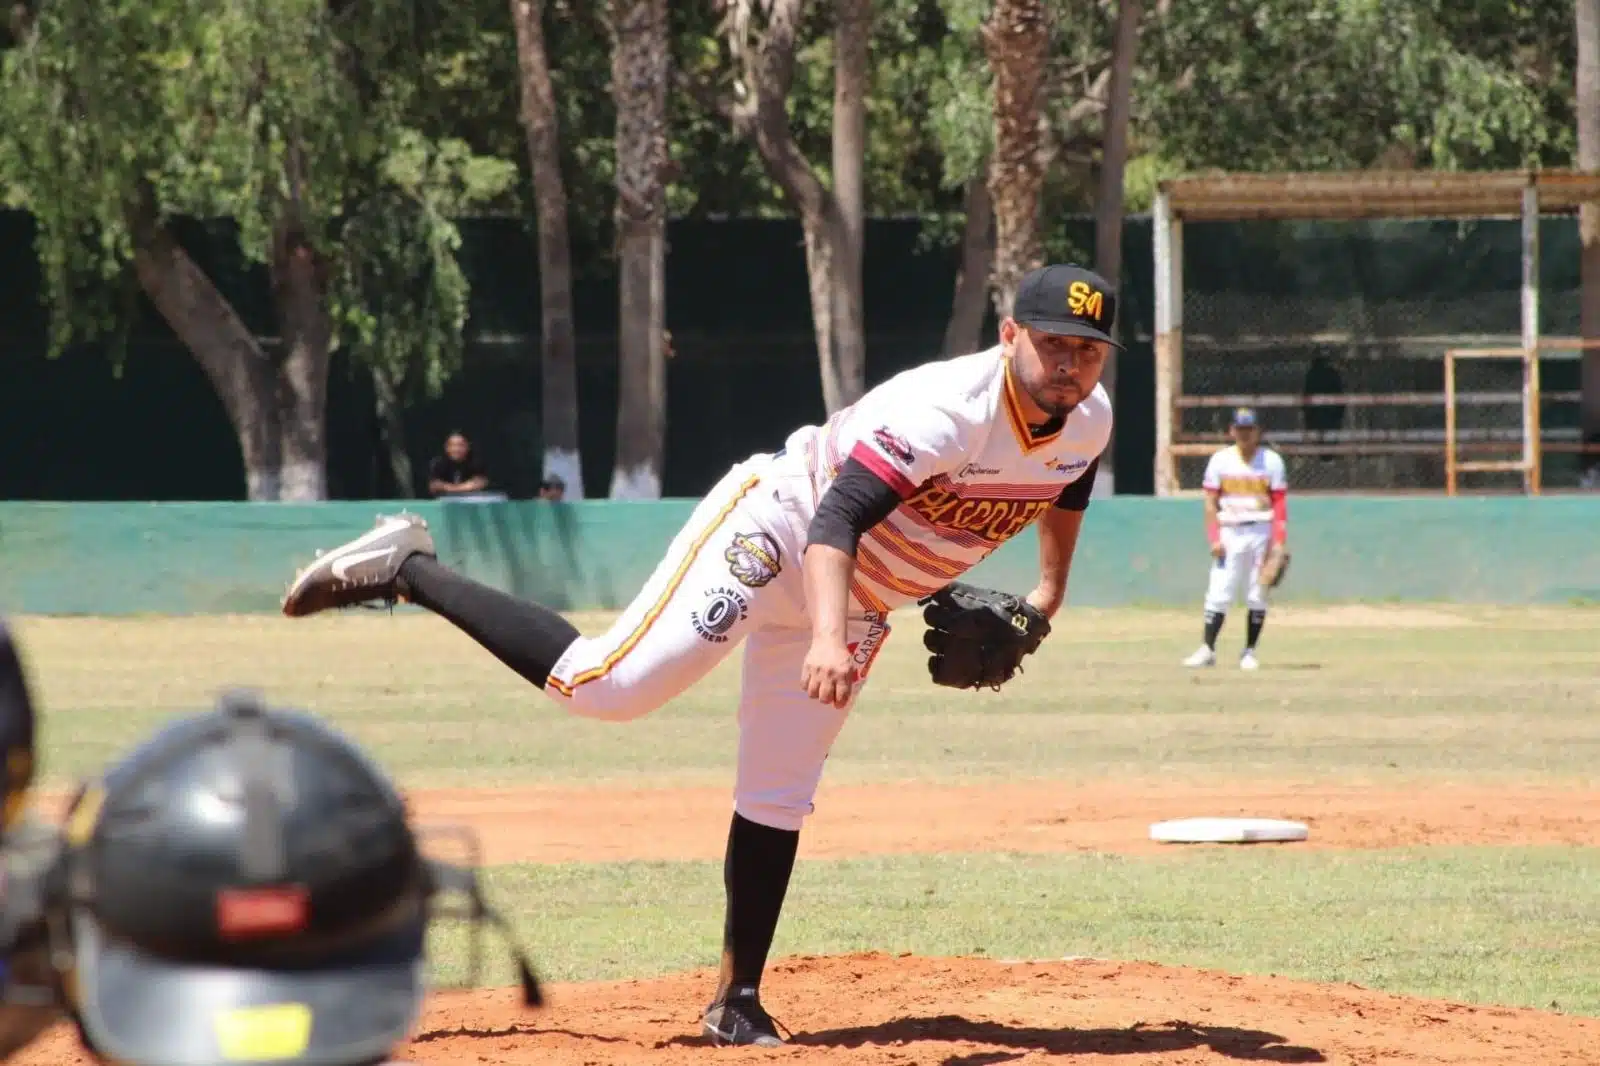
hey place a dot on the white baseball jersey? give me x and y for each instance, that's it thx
(1245, 490)
(951, 438)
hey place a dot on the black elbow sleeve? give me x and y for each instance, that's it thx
(857, 500)
(1075, 497)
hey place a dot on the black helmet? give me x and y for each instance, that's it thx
(245, 888)
(16, 734)
(30, 1000)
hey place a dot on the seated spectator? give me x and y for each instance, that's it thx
(552, 488)
(457, 472)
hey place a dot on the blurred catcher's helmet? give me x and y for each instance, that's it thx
(245, 888)
(29, 995)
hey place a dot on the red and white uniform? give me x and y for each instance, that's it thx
(950, 438)
(1252, 514)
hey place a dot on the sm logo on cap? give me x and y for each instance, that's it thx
(1085, 301)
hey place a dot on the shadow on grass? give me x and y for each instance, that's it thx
(1246, 1044)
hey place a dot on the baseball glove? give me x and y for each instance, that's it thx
(1276, 565)
(978, 636)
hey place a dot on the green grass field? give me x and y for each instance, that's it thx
(1394, 697)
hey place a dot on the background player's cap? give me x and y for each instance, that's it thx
(1067, 300)
(245, 888)
(1244, 416)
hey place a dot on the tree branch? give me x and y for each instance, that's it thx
(763, 117)
(1091, 103)
(20, 21)
(706, 96)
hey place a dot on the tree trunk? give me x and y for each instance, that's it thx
(820, 273)
(642, 367)
(307, 333)
(851, 74)
(1108, 205)
(761, 116)
(1588, 107)
(640, 66)
(964, 333)
(558, 334)
(392, 426)
(253, 387)
(1016, 41)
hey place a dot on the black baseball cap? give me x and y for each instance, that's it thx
(1067, 300)
(244, 888)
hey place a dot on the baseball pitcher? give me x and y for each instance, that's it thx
(801, 555)
(1247, 524)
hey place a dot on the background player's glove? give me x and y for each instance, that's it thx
(1276, 565)
(979, 636)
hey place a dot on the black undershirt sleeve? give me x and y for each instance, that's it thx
(1075, 497)
(857, 500)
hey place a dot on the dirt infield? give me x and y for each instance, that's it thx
(875, 1010)
(599, 824)
(878, 1009)
(610, 825)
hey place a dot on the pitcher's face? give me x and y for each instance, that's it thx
(1056, 372)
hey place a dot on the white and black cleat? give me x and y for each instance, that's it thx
(364, 570)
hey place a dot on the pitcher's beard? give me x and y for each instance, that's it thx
(1056, 404)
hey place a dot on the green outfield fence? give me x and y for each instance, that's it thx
(202, 558)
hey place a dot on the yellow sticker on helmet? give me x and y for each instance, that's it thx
(85, 813)
(263, 1034)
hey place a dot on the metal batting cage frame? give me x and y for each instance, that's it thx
(1524, 195)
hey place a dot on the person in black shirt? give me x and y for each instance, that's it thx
(457, 471)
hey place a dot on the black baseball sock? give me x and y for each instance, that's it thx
(756, 875)
(523, 635)
(1214, 620)
(1252, 631)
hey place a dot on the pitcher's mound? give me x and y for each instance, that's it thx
(880, 1009)
(875, 1010)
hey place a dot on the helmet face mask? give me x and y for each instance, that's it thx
(32, 996)
(33, 992)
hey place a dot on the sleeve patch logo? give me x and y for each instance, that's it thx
(753, 559)
(1085, 301)
(863, 651)
(893, 443)
(724, 608)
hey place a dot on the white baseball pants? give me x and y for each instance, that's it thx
(1244, 549)
(729, 577)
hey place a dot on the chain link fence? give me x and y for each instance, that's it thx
(1335, 333)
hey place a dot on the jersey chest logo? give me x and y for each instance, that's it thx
(1244, 485)
(1065, 464)
(994, 519)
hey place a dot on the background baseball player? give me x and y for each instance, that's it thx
(1247, 524)
(801, 555)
